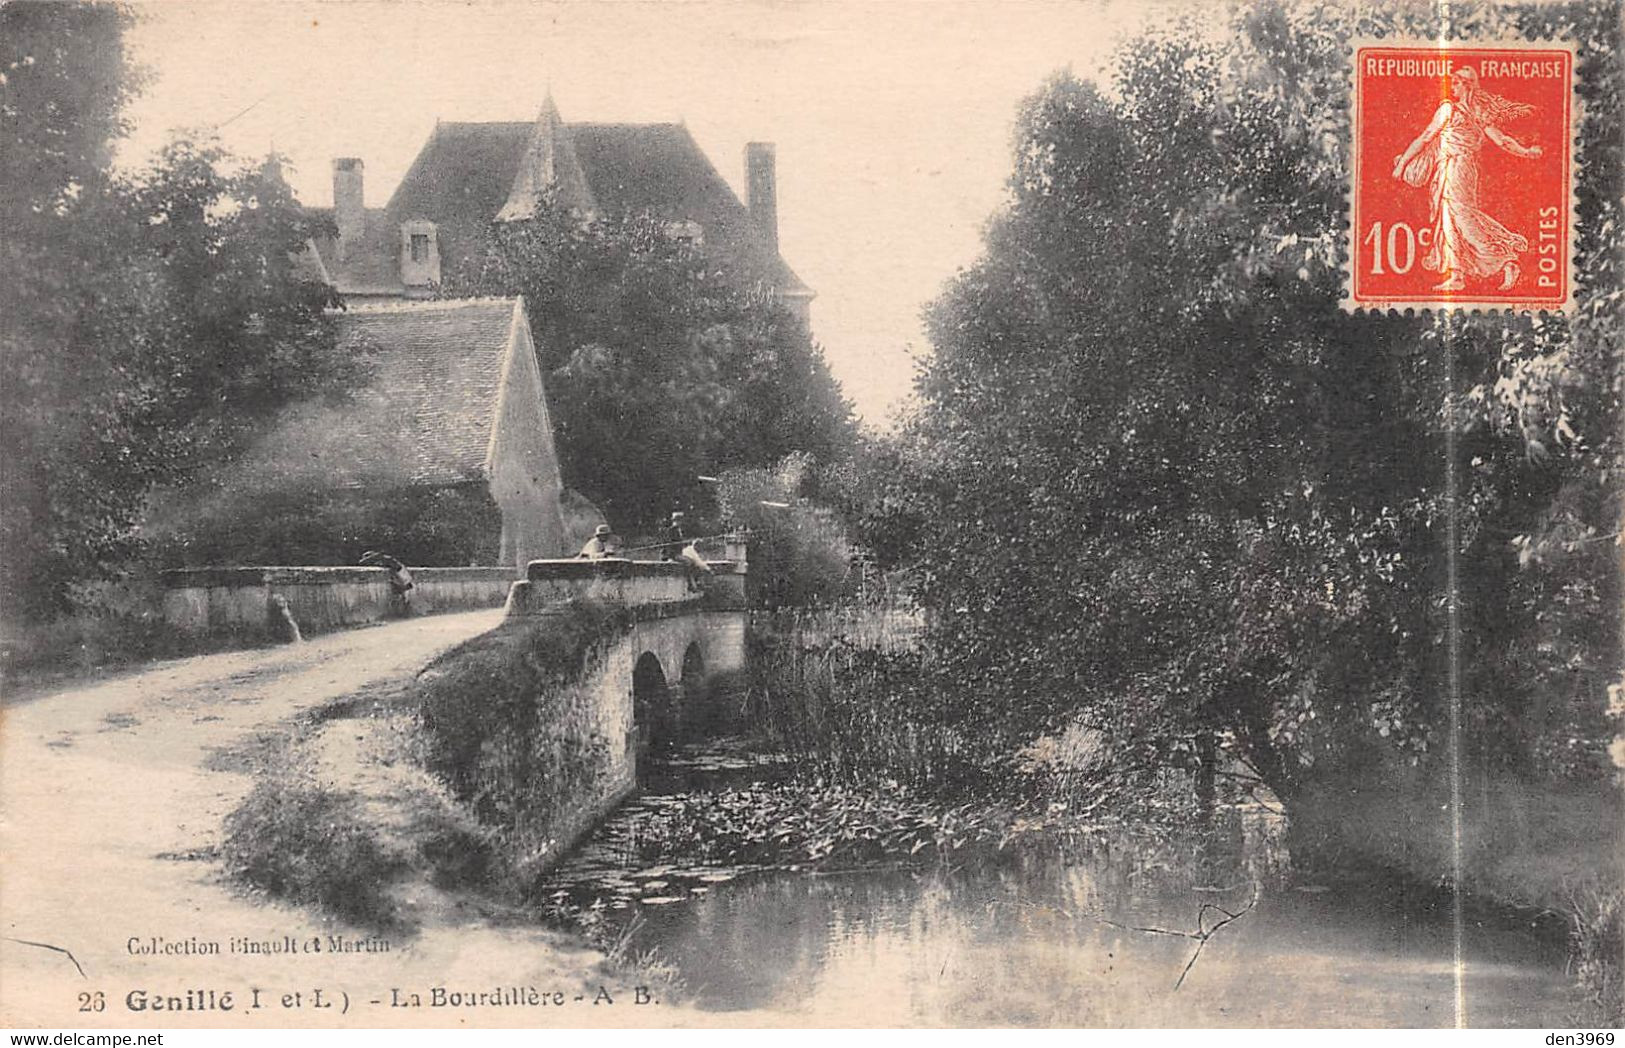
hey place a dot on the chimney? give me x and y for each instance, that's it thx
(762, 191)
(348, 210)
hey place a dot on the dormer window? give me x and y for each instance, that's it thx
(420, 257)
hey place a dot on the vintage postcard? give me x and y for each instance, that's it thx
(742, 513)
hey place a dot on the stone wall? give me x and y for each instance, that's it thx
(625, 583)
(536, 723)
(242, 602)
(599, 715)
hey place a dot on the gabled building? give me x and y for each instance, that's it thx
(470, 174)
(453, 401)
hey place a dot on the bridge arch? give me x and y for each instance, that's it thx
(654, 714)
(693, 678)
(669, 665)
(698, 715)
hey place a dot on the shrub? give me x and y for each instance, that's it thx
(854, 697)
(1596, 946)
(311, 845)
(852, 710)
(799, 554)
(249, 519)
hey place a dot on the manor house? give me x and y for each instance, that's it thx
(468, 175)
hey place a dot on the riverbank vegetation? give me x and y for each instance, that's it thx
(1228, 532)
(1273, 524)
(874, 764)
(1229, 522)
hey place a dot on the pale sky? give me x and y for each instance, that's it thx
(892, 119)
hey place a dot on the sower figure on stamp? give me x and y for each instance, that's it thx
(1446, 157)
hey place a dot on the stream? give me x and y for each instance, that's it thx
(1098, 939)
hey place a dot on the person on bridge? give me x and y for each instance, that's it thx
(400, 579)
(601, 545)
(680, 550)
(673, 549)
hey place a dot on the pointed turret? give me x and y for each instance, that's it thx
(549, 163)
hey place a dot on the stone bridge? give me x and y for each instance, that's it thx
(675, 672)
(678, 670)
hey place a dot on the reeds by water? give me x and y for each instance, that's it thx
(846, 693)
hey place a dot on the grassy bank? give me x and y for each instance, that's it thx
(342, 817)
(435, 781)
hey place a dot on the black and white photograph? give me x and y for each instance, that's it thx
(808, 514)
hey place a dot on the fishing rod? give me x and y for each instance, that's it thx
(684, 542)
(702, 538)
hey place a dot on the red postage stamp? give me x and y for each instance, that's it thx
(1462, 176)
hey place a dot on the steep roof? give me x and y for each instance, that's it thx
(373, 267)
(425, 415)
(464, 170)
(460, 180)
(659, 168)
(463, 175)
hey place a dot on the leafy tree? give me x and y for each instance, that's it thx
(1166, 486)
(64, 80)
(149, 319)
(884, 493)
(799, 553)
(661, 363)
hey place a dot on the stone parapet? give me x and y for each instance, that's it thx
(248, 602)
(625, 583)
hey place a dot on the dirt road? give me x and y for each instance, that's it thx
(112, 796)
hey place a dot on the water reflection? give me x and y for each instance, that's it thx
(1060, 937)
(1028, 948)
